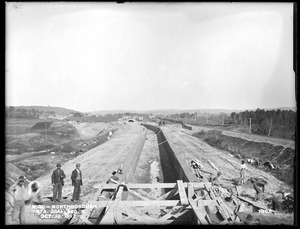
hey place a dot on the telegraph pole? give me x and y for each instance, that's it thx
(46, 129)
(250, 126)
(270, 128)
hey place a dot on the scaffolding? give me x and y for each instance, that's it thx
(181, 203)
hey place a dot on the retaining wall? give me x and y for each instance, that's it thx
(173, 167)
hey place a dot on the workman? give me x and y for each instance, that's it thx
(215, 180)
(258, 186)
(20, 194)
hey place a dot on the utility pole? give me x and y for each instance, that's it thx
(270, 128)
(46, 129)
(195, 116)
(250, 126)
(222, 119)
(186, 117)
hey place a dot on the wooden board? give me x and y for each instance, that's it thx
(255, 204)
(198, 212)
(182, 194)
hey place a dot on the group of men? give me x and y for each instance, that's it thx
(257, 183)
(57, 180)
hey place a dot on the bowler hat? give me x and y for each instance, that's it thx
(58, 165)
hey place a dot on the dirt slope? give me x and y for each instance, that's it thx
(191, 147)
(98, 163)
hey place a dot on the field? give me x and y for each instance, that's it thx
(34, 149)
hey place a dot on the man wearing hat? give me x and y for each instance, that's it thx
(20, 194)
(76, 178)
(57, 180)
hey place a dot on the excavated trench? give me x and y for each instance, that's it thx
(155, 163)
(164, 160)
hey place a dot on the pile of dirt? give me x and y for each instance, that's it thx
(41, 125)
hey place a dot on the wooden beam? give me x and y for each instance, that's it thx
(169, 194)
(137, 194)
(154, 185)
(255, 204)
(198, 212)
(191, 192)
(119, 193)
(142, 192)
(182, 194)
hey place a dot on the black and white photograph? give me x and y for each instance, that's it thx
(150, 113)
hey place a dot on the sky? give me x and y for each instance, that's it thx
(145, 56)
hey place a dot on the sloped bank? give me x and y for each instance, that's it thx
(282, 157)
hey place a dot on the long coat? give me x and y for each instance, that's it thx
(55, 176)
(74, 176)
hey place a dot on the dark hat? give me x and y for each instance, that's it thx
(21, 178)
(58, 165)
(219, 173)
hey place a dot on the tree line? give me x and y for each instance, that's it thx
(274, 123)
(18, 112)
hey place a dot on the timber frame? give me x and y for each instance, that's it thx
(182, 203)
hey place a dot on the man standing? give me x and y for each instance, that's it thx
(20, 194)
(57, 180)
(76, 178)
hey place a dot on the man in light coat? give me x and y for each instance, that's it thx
(20, 195)
(76, 178)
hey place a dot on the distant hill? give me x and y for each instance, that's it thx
(163, 111)
(57, 110)
(178, 111)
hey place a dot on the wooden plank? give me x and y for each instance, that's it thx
(169, 194)
(212, 165)
(108, 217)
(137, 216)
(226, 213)
(118, 216)
(199, 215)
(191, 192)
(154, 203)
(119, 193)
(138, 203)
(174, 214)
(142, 192)
(86, 213)
(152, 185)
(255, 204)
(182, 194)
(137, 194)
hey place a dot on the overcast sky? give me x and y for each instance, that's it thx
(142, 56)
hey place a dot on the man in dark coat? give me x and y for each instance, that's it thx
(57, 180)
(76, 178)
